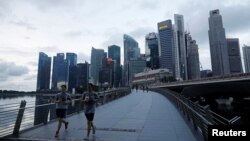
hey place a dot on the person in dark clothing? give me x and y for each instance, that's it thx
(90, 99)
(62, 99)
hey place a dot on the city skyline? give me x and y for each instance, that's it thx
(25, 33)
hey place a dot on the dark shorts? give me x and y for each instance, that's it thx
(61, 113)
(90, 116)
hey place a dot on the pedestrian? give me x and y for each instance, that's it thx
(62, 100)
(90, 99)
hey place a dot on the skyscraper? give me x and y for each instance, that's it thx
(152, 43)
(166, 36)
(72, 62)
(193, 63)
(246, 57)
(218, 45)
(234, 55)
(43, 75)
(114, 53)
(97, 60)
(131, 52)
(136, 66)
(71, 58)
(180, 49)
(82, 78)
(60, 71)
(131, 48)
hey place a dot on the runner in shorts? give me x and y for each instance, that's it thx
(62, 99)
(89, 99)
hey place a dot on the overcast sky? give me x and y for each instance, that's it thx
(28, 27)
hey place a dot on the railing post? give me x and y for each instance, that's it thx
(208, 114)
(19, 118)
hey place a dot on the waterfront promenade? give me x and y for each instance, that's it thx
(139, 116)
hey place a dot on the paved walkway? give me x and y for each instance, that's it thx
(136, 117)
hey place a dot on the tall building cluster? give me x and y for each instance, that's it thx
(225, 52)
(171, 47)
(65, 70)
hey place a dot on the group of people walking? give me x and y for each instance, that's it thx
(89, 100)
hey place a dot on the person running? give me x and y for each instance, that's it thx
(89, 99)
(62, 99)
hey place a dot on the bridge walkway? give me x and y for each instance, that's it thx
(140, 116)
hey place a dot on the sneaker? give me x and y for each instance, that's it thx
(93, 131)
(86, 138)
(57, 134)
(66, 125)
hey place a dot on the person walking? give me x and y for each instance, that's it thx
(62, 99)
(90, 99)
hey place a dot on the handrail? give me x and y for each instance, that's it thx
(204, 80)
(201, 116)
(22, 115)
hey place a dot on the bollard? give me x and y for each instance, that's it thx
(19, 118)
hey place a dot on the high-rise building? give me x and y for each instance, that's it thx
(131, 48)
(246, 57)
(193, 62)
(136, 66)
(206, 73)
(97, 62)
(60, 72)
(43, 75)
(166, 38)
(131, 52)
(72, 61)
(152, 44)
(234, 55)
(82, 75)
(71, 58)
(218, 45)
(114, 53)
(180, 49)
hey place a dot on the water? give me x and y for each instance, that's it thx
(8, 112)
(28, 99)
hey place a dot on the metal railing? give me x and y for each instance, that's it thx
(231, 77)
(200, 116)
(19, 117)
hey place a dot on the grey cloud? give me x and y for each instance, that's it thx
(32, 63)
(15, 50)
(235, 17)
(141, 32)
(44, 5)
(82, 57)
(27, 38)
(17, 70)
(73, 34)
(149, 4)
(23, 23)
(31, 77)
(77, 33)
(4, 9)
(49, 49)
(9, 69)
(116, 39)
